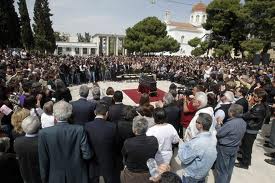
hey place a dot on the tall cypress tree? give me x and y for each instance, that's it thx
(3, 24)
(44, 34)
(26, 31)
(9, 25)
(49, 29)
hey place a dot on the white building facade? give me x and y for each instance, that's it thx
(183, 32)
(100, 44)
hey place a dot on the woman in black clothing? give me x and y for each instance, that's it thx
(61, 92)
(124, 131)
(136, 151)
(172, 111)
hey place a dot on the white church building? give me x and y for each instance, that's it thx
(185, 31)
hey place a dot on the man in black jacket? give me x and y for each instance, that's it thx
(63, 149)
(115, 110)
(26, 148)
(254, 119)
(83, 110)
(101, 135)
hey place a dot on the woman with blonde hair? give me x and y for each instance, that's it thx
(16, 121)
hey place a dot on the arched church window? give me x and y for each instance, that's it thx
(197, 18)
(203, 18)
(181, 39)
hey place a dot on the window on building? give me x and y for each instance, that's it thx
(76, 51)
(181, 39)
(192, 18)
(197, 18)
(203, 18)
(92, 51)
(59, 50)
(68, 49)
(85, 51)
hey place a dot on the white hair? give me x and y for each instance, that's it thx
(168, 99)
(31, 124)
(62, 110)
(229, 96)
(202, 97)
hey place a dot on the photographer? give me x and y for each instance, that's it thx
(188, 109)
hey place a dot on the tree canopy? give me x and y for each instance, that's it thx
(44, 34)
(200, 47)
(26, 31)
(149, 35)
(247, 27)
(9, 25)
(86, 38)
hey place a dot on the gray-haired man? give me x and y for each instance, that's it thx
(26, 149)
(63, 149)
(83, 110)
(229, 138)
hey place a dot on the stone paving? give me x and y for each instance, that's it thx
(259, 171)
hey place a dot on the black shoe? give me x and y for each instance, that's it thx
(271, 155)
(239, 159)
(240, 165)
(270, 161)
(268, 145)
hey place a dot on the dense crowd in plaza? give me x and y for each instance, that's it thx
(211, 121)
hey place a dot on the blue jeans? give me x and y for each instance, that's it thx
(93, 76)
(225, 163)
(192, 180)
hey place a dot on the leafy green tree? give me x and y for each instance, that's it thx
(9, 25)
(61, 37)
(26, 31)
(223, 50)
(260, 20)
(225, 19)
(44, 34)
(148, 36)
(194, 42)
(87, 37)
(197, 52)
(80, 37)
(200, 47)
(252, 46)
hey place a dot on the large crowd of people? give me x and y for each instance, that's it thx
(212, 117)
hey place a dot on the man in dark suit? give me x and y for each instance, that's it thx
(9, 167)
(83, 110)
(63, 149)
(109, 98)
(116, 109)
(26, 148)
(101, 136)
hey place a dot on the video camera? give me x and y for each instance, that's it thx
(185, 91)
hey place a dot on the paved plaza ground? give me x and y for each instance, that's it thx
(259, 171)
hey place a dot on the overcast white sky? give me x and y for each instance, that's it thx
(110, 16)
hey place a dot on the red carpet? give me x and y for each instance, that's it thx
(135, 95)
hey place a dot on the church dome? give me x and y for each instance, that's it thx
(199, 7)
